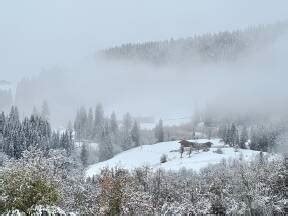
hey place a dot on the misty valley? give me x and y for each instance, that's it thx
(126, 118)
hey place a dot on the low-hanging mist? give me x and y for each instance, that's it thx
(254, 83)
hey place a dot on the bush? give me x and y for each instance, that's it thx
(163, 158)
(219, 151)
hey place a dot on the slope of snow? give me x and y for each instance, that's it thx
(150, 155)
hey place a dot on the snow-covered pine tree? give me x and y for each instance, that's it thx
(99, 119)
(114, 124)
(159, 131)
(90, 124)
(135, 134)
(2, 122)
(66, 142)
(126, 138)
(84, 154)
(106, 146)
(243, 138)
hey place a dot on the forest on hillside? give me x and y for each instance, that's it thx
(200, 49)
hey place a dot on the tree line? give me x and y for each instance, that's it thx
(34, 131)
(111, 134)
(217, 47)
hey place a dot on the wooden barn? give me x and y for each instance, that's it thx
(186, 143)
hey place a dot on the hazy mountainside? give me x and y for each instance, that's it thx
(173, 89)
(207, 48)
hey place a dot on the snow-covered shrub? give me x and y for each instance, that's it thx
(39, 179)
(218, 151)
(163, 158)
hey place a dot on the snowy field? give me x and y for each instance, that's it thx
(150, 155)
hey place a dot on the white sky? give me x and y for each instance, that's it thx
(39, 34)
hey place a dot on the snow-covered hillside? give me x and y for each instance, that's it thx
(150, 155)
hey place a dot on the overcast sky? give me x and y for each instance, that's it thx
(35, 35)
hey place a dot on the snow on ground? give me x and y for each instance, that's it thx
(149, 155)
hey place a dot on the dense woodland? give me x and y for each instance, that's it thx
(112, 135)
(208, 48)
(31, 132)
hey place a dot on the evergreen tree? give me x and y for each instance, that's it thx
(135, 134)
(126, 138)
(77, 126)
(232, 136)
(243, 138)
(193, 133)
(10, 135)
(55, 140)
(98, 121)
(127, 122)
(2, 122)
(66, 142)
(19, 136)
(105, 147)
(84, 155)
(90, 124)
(114, 124)
(81, 124)
(159, 131)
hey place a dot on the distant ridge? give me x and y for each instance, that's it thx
(207, 48)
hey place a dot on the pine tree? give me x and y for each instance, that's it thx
(90, 124)
(105, 147)
(193, 134)
(159, 131)
(135, 134)
(243, 138)
(66, 142)
(114, 124)
(10, 134)
(81, 124)
(77, 126)
(84, 155)
(233, 136)
(55, 140)
(126, 138)
(45, 112)
(127, 122)
(98, 121)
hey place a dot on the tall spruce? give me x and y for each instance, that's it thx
(243, 138)
(106, 145)
(159, 131)
(84, 154)
(98, 121)
(135, 134)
